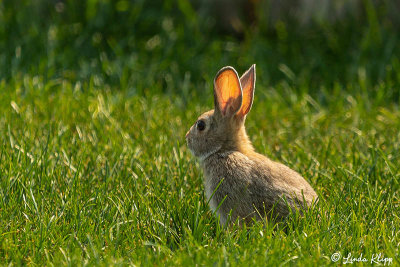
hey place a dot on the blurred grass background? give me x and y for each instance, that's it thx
(162, 45)
(96, 96)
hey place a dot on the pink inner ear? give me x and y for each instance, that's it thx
(228, 91)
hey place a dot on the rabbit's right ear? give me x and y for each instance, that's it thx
(248, 82)
(227, 92)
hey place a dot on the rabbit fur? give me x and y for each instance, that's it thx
(240, 183)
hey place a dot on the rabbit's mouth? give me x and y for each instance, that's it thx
(189, 143)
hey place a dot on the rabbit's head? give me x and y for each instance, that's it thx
(222, 129)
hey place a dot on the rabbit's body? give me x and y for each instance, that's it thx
(252, 185)
(240, 183)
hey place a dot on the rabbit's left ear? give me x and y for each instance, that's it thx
(227, 92)
(248, 82)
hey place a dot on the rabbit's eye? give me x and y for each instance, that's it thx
(201, 125)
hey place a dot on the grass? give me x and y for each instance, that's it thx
(96, 98)
(104, 177)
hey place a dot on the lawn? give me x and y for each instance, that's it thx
(94, 168)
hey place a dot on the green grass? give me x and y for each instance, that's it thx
(104, 177)
(96, 98)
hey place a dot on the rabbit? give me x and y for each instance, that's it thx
(241, 184)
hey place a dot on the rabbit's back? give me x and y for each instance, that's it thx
(247, 186)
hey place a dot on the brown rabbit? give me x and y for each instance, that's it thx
(239, 182)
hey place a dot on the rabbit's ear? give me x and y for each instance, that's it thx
(227, 92)
(248, 82)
